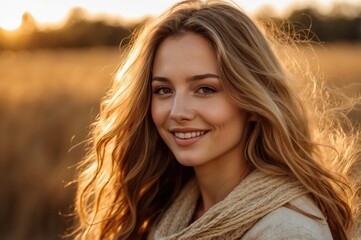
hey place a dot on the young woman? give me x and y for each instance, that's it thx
(202, 136)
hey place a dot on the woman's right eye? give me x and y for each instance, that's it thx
(162, 91)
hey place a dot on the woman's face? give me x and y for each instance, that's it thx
(190, 109)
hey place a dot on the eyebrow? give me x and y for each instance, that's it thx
(193, 78)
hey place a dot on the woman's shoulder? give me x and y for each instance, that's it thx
(286, 223)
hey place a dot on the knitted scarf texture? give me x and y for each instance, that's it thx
(256, 196)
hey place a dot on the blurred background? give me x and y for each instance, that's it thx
(57, 59)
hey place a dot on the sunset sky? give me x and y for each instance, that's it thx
(52, 12)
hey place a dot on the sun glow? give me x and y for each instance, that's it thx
(11, 24)
(10, 18)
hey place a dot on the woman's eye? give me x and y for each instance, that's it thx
(162, 91)
(206, 90)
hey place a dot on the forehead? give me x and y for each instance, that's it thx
(189, 52)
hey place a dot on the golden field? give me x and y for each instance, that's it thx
(48, 99)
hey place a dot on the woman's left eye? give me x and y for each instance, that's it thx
(205, 90)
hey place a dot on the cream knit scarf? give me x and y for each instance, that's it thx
(257, 195)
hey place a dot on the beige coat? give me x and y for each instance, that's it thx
(253, 210)
(284, 223)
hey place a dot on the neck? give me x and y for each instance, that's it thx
(217, 181)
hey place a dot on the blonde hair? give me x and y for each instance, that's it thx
(129, 176)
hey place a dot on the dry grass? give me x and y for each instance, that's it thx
(47, 100)
(340, 64)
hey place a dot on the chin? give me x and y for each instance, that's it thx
(189, 162)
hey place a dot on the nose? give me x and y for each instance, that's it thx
(181, 109)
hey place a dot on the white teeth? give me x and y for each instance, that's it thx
(188, 134)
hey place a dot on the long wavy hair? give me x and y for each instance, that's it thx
(129, 176)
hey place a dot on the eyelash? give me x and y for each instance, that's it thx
(207, 87)
(158, 89)
(204, 88)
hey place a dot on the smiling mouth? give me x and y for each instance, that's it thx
(188, 135)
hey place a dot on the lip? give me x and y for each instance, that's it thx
(183, 130)
(189, 141)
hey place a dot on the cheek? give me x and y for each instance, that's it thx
(220, 114)
(227, 118)
(158, 113)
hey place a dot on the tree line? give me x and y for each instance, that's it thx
(78, 31)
